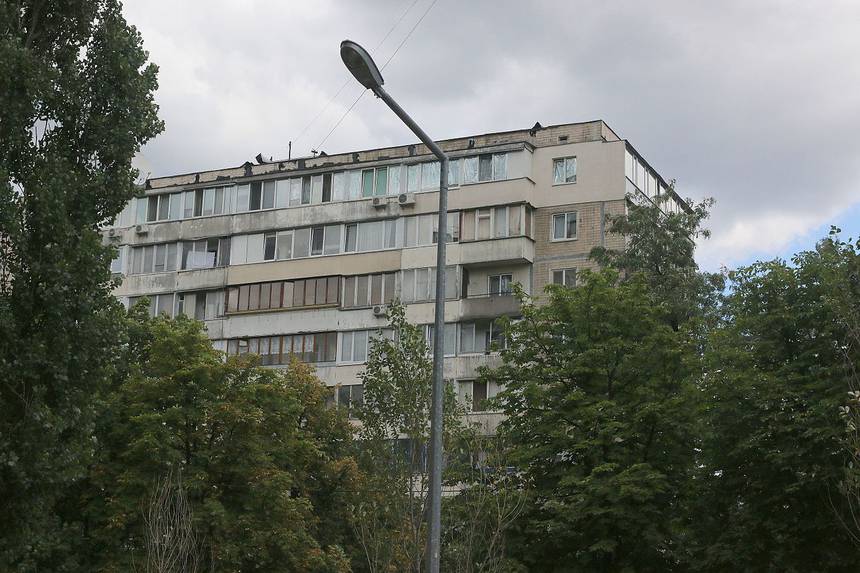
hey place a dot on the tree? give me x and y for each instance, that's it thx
(773, 443)
(489, 495)
(394, 431)
(171, 542)
(844, 296)
(599, 398)
(76, 94)
(661, 247)
(263, 461)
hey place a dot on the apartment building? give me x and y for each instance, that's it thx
(302, 256)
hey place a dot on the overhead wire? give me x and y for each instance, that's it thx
(388, 61)
(342, 87)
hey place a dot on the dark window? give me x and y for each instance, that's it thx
(152, 209)
(479, 396)
(326, 192)
(269, 246)
(256, 195)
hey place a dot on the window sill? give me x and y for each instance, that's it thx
(564, 240)
(563, 183)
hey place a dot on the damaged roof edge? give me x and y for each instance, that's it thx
(329, 160)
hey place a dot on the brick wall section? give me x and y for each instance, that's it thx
(591, 232)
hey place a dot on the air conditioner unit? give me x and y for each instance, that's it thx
(379, 202)
(380, 310)
(141, 230)
(406, 198)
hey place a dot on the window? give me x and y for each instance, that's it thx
(394, 179)
(285, 245)
(482, 223)
(564, 170)
(326, 187)
(158, 304)
(269, 242)
(301, 242)
(473, 395)
(315, 347)
(306, 189)
(487, 167)
(564, 277)
(496, 338)
(370, 236)
(116, 263)
(500, 222)
(256, 196)
(243, 195)
(354, 346)
(500, 284)
(450, 342)
(175, 206)
(351, 241)
(206, 253)
(419, 285)
(564, 226)
(317, 235)
(154, 258)
(159, 207)
(474, 337)
(413, 178)
(430, 175)
(331, 243)
(350, 396)
(269, 188)
(453, 232)
(454, 173)
(367, 290)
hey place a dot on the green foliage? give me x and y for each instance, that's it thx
(600, 417)
(264, 461)
(661, 248)
(76, 98)
(772, 455)
(394, 442)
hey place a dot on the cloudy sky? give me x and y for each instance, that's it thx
(756, 104)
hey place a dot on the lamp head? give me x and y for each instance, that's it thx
(361, 65)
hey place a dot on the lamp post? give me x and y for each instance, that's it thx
(362, 66)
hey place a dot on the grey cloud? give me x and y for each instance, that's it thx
(752, 103)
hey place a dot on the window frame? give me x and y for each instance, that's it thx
(564, 161)
(564, 272)
(566, 215)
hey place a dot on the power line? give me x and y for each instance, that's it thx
(388, 61)
(337, 93)
(391, 57)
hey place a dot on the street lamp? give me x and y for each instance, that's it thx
(362, 66)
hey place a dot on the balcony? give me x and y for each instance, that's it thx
(493, 251)
(500, 192)
(488, 306)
